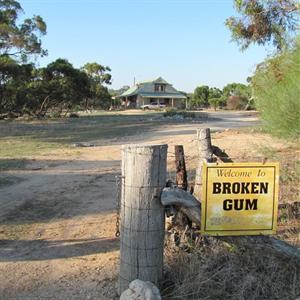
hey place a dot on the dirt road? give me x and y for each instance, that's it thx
(57, 215)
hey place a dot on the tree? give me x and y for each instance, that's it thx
(19, 40)
(66, 85)
(276, 91)
(13, 80)
(263, 22)
(98, 76)
(237, 95)
(98, 72)
(200, 97)
(119, 91)
(236, 89)
(214, 102)
(215, 97)
(214, 93)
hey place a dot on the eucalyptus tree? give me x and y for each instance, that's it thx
(20, 39)
(264, 21)
(99, 76)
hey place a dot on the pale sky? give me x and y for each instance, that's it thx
(184, 41)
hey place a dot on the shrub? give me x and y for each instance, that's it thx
(276, 86)
(214, 102)
(181, 114)
(237, 102)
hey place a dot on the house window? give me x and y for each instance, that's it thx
(159, 88)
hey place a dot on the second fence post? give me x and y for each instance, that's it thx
(205, 153)
(142, 214)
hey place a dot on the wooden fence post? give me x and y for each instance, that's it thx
(142, 214)
(181, 182)
(205, 153)
(181, 176)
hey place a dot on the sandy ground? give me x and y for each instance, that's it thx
(57, 221)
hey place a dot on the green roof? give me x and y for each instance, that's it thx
(132, 91)
(147, 89)
(157, 80)
(160, 80)
(163, 95)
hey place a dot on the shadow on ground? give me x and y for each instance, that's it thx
(37, 250)
(57, 189)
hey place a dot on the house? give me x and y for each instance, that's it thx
(155, 91)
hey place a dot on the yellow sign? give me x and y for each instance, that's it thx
(239, 198)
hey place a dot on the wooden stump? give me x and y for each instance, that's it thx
(181, 175)
(142, 214)
(205, 154)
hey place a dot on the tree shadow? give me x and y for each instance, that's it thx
(51, 190)
(37, 250)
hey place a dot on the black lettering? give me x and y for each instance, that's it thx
(227, 204)
(251, 205)
(264, 187)
(217, 187)
(238, 204)
(236, 188)
(245, 186)
(254, 186)
(226, 187)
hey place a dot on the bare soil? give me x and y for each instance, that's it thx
(57, 213)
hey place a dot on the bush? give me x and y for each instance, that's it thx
(73, 115)
(181, 114)
(214, 102)
(276, 85)
(237, 102)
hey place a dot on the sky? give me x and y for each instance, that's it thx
(183, 41)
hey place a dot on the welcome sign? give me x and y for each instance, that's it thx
(239, 198)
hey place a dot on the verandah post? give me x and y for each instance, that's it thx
(142, 214)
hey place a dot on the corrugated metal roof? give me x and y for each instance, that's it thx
(163, 95)
(160, 80)
(129, 92)
(157, 80)
(146, 89)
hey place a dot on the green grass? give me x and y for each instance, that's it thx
(13, 147)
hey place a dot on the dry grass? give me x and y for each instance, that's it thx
(226, 269)
(240, 267)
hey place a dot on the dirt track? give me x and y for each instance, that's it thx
(57, 220)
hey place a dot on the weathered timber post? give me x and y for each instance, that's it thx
(181, 176)
(142, 214)
(205, 153)
(180, 218)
